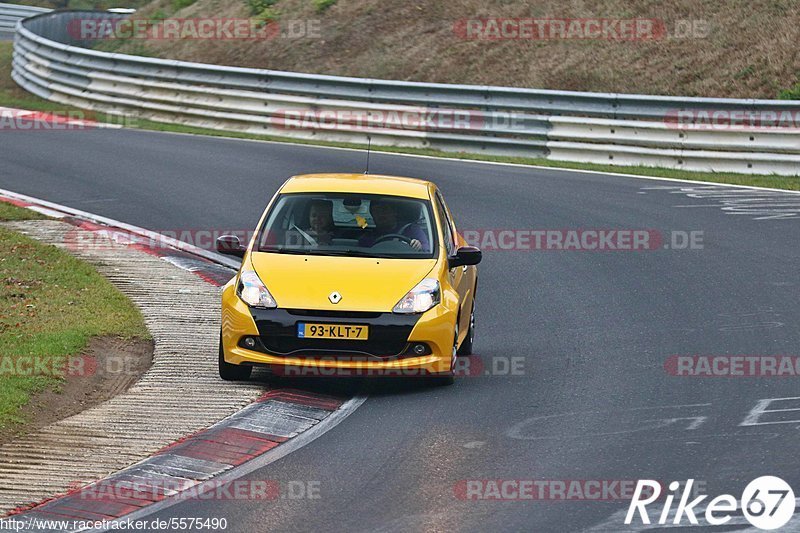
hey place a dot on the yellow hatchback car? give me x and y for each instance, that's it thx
(350, 275)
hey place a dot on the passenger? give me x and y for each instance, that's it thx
(320, 222)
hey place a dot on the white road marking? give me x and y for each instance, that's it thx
(46, 212)
(761, 408)
(760, 204)
(523, 430)
(303, 439)
(696, 421)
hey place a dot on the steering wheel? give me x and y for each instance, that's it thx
(397, 236)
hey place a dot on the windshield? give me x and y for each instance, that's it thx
(358, 225)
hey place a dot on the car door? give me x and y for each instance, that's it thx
(461, 278)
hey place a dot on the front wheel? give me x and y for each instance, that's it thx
(230, 372)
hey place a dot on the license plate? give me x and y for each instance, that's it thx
(332, 331)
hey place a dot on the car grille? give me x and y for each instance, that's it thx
(388, 333)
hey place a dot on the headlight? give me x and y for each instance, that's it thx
(421, 298)
(253, 291)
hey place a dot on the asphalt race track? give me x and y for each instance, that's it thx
(590, 333)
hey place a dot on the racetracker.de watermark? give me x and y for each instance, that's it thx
(72, 366)
(545, 489)
(178, 29)
(592, 240)
(184, 489)
(733, 366)
(23, 120)
(358, 367)
(404, 118)
(779, 120)
(578, 29)
(488, 240)
(103, 238)
(598, 490)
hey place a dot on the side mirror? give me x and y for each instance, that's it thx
(465, 256)
(230, 245)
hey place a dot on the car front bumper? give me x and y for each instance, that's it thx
(388, 351)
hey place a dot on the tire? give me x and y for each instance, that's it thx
(230, 372)
(466, 346)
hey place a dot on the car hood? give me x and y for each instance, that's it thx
(365, 284)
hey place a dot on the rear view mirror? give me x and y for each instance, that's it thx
(465, 256)
(230, 245)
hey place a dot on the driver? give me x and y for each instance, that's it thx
(384, 213)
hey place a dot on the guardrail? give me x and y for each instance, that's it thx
(619, 129)
(10, 14)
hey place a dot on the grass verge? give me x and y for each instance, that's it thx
(51, 306)
(10, 212)
(13, 96)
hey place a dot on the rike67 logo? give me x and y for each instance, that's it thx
(767, 503)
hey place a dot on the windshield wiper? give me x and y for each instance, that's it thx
(334, 253)
(353, 253)
(281, 250)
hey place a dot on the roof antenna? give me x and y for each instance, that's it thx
(369, 145)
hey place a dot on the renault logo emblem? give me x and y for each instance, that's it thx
(335, 297)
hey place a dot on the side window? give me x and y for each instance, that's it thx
(446, 227)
